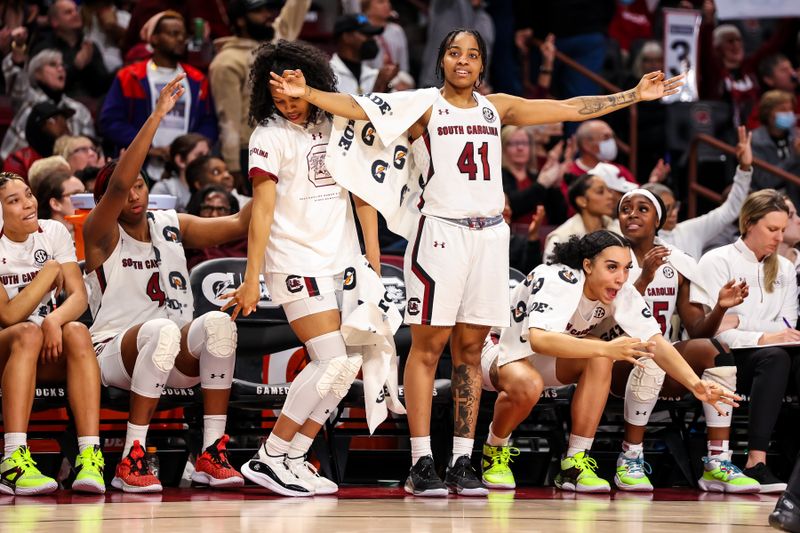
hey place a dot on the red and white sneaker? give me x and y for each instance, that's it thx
(212, 467)
(133, 474)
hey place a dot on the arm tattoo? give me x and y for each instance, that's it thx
(597, 104)
(466, 388)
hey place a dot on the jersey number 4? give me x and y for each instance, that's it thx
(154, 290)
(467, 165)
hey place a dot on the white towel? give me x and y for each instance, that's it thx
(369, 322)
(374, 160)
(165, 235)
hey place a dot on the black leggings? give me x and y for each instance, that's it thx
(763, 374)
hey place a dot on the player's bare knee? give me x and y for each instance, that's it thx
(75, 335)
(29, 335)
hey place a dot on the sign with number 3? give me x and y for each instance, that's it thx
(681, 35)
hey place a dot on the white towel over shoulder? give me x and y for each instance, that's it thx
(374, 160)
(369, 322)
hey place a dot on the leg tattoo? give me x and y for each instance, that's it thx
(466, 388)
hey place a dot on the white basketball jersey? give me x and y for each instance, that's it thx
(464, 177)
(313, 230)
(21, 261)
(661, 295)
(126, 289)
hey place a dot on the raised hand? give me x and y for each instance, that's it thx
(290, 83)
(653, 86)
(659, 172)
(169, 96)
(744, 150)
(548, 51)
(713, 393)
(732, 294)
(536, 222)
(653, 260)
(628, 349)
(243, 300)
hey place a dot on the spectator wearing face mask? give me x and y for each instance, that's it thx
(776, 142)
(596, 144)
(776, 73)
(355, 45)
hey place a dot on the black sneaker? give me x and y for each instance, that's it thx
(462, 479)
(423, 481)
(769, 482)
(786, 515)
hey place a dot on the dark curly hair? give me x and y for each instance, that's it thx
(286, 55)
(448, 41)
(576, 249)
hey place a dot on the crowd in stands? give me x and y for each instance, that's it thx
(80, 79)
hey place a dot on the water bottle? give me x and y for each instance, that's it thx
(151, 457)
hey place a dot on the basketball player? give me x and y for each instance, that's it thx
(548, 345)
(303, 236)
(661, 281)
(143, 331)
(43, 344)
(457, 265)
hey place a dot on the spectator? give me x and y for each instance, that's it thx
(79, 151)
(46, 75)
(252, 22)
(14, 49)
(791, 238)
(182, 151)
(596, 144)
(631, 23)
(105, 26)
(525, 249)
(88, 176)
(137, 86)
(209, 202)
(43, 168)
(614, 181)
(579, 27)
(392, 43)
(724, 72)
(523, 191)
(208, 170)
(355, 45)
(86, 72)
(776, 73)
(594, 204)
(443, 16)
(775, 142)
(54, 196)
(46, 122)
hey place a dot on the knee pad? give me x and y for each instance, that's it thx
(725, 376)
(641, 392)
(158, 343)
(324, 409)
(309, 306)
(338, 370)
(212, 339)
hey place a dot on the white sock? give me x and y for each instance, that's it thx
(628, 447)
(276, 446)
(134, 433)
(494, 440)
(461, 446)
(86, 442)
(717, 447)
(420, 447)
(13, 441)
(213, 428)
(299, 447)
(578, 444)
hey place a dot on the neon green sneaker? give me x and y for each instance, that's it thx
(89, 468)
(496, 472)
(19, 475)
(577, 474)
(632, 472)
(721, 475)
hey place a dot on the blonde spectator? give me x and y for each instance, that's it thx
(44, 167)
(79, 151)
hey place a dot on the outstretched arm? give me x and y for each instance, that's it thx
(199, 232)
(293, 83)
(522, 112)
(100, 231)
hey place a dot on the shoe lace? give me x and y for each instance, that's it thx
(637, 465)
(730, 469)
(505, 455)
(219, 457)
(585, 463)
(26, 459)
(95, 458)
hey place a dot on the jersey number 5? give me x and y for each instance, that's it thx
(467, 165)
(154, 290)
(659, 308)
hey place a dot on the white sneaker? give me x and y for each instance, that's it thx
(272, 473)
(309, 474)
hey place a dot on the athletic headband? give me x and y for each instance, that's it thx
(647, 194)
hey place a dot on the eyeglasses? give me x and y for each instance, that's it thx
(517, 144)
(84, 149)
(72, 193)
(208, 208)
